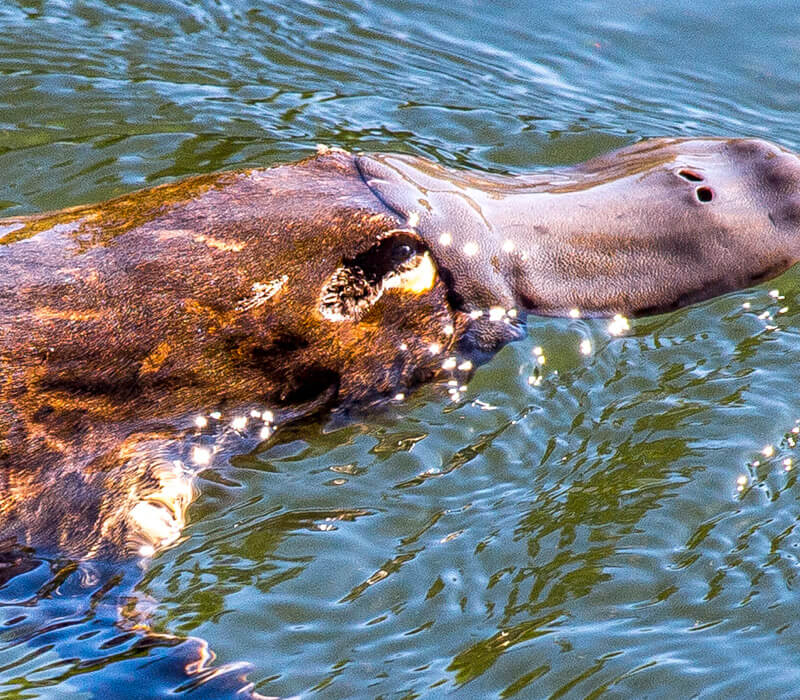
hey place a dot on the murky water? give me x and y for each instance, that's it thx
(621, 523)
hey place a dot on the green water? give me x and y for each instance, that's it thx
(572, 529)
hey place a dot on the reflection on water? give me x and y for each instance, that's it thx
(71, 630)
(599, 515)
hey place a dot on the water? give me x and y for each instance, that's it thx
(621, 524)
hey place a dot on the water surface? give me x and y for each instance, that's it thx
(618, 524)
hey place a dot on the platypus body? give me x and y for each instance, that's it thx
(343, 279)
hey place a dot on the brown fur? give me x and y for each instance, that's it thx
(118, 321)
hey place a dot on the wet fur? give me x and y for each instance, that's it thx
(119, 322)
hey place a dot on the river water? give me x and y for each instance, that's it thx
(611, 519)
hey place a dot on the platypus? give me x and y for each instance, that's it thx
(340, 280)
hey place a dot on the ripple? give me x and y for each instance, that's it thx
(589, 536)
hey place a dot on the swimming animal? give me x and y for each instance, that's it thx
(338, 280)
(268, 294)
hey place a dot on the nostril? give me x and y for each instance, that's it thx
(704, 194)
(690, 176)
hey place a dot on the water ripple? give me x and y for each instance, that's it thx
(623, 523)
